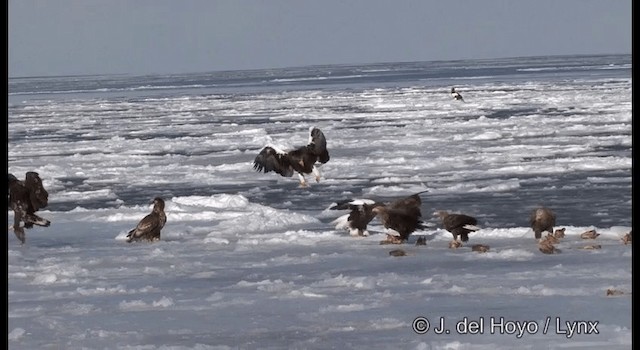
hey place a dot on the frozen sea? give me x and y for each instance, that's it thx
(252, 261)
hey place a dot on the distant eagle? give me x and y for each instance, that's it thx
(150, 226)
(458, 224)
(542, 219)
(301, 160)
(456, 95)
(25, 199)
(400, 217)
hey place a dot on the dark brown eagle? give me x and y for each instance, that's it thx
(302, 160)
(25, 199)
(400, 217)
(460, 225)
(542, 219)
(150, 226)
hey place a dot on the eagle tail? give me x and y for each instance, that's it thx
(471, 227)
(131, 236)
(19, 231)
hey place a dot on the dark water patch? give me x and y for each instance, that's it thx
(509, 112)
(351, 109)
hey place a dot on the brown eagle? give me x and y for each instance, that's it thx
(150, 226)
(303, 160)
(25, 199)
(542, 219)
(458, 224)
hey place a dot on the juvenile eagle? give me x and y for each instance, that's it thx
(542, 219)
(25, 199)
(302, 160)
(401, 217)
(150, 226)
(458, 224)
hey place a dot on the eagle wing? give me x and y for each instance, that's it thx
(147, 228)
(410, 204)
(269, 159)
(38, 196)
(403, 220)
(458, 221)
(318, 144)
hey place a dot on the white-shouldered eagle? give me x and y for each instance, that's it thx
(302, 160)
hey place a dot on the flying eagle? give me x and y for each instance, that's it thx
(302, 160)
(400, 217)
(456, 95)
(150, 226)
(26, 198)
(542, 219)
(458, 224)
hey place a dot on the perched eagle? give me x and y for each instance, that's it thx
(360, 215)
(400, 217)
(150, 226)
(458, 224)
(400, 222)
(542, 219)
(456, 95)
(25, 199)
(301, 160)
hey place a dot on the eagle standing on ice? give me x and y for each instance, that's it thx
(150, 226)
(458, 224)
(25, 198)
(302, 160)
(542, 219)
(400, 217)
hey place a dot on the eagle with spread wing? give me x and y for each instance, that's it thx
(25, 199)
(302, 160)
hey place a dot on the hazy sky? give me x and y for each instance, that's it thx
(62, 37)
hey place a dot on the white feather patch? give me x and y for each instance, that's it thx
(471, 227)
(392, 232)
(362, 202)
(310, 135)
(341, 222)
(276, 148)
